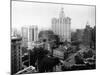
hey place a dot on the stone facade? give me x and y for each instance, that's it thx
(61, 26)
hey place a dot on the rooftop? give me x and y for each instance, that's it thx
(16, 38)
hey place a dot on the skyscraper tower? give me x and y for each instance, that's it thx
(62, 14)
(29, 35)
(61, 26)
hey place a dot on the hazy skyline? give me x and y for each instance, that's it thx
(41, 14)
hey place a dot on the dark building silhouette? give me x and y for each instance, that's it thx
(87, 36)
(16, 53)
(77, 35)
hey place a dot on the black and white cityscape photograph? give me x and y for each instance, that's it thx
(52, 37)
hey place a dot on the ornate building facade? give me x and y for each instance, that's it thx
(61, 26)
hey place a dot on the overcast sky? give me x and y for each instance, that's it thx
(30, 13)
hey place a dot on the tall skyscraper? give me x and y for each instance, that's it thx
(32, 36)
(29, 35)
(87, 35)
(24, 36)
(61, 26)
(16, 55)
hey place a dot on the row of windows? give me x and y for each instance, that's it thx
(65, 21)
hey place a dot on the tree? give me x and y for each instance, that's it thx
(79, 59)
(45, 32)
(44, 63)
(88, 54)
(37, 54)
(49, 36)
(47, 64)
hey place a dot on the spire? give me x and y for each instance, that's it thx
(62, 14)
